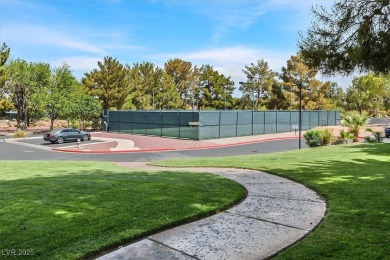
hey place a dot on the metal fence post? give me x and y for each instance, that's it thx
(219, 124)
(161, 124)
(178, 119)
(276, 121)
(237, 123)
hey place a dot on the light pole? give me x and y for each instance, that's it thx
(153, 96)
(300, 112)
(225, 96)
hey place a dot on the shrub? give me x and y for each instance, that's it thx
(326, 136)
(19, 134)
(376, 137)
(354, 121)
(343, 138)
(313, 138)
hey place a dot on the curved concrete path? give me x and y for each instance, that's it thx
(276, 213)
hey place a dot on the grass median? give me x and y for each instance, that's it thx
(69, 210)
(354, 179)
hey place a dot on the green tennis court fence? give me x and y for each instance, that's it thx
(202, 125)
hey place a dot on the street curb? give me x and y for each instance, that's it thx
(170, 149)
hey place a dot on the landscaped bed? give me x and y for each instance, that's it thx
(355, 180)
(68, 210)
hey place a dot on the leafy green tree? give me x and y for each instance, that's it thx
(4, 55)
(107, 83)
(25, 81)
(5, 106)
(215, 90)
(5, 103)
(352, 35)
(58, 94)
(83, 108)
(368, 93)
(337, 96)
(260, 79)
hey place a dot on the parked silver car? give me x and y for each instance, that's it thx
(66, 134)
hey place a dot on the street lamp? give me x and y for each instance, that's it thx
(300, 111)
(225, 95)
(153, 96)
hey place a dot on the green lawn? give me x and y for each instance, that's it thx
(68, 210)
(355, 180)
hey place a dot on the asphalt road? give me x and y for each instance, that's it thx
(26, 151)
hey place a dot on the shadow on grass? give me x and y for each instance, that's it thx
(79, 213)
(380, 149)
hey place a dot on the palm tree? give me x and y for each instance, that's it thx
(354, 121)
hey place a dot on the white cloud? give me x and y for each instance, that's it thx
(78, 62)
(233, 57)
(38, 35)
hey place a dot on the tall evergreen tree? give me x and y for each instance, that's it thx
(107, 83)
(185, 77)
(260, 79)
(215, 90)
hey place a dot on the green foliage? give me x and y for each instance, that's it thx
(326, 136)
(25, 85)
(352, 35)
(315, 138)
(314, 92)
(376, 137)
(4, 55)
(368, 93)
(5, 106)
(185, 79)
(260, 79)
(354, 121)
(84, 108)
(107, 83)
(215, 90)
(344, 137)
(59, 94)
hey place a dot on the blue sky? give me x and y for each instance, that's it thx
(226, 34)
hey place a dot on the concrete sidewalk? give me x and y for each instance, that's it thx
(276, 213)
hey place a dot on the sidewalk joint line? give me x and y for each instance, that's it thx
(177, 250)
(267, 221)
(289, 199)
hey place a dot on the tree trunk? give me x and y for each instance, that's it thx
(52, 123)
